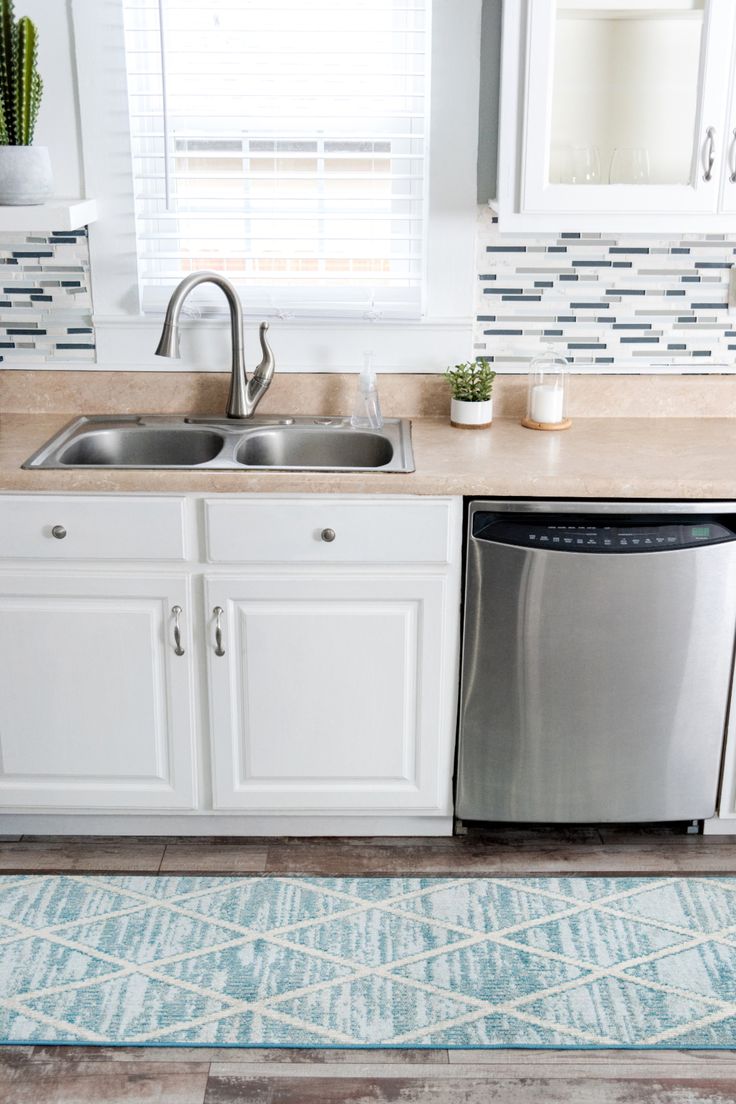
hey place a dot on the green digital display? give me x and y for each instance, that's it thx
(700, 530)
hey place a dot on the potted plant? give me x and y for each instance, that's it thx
(25, 169)
(472, 386)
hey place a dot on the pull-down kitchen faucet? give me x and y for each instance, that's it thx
(245, 394)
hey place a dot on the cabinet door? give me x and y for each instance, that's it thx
(728, 161)
(95, 702)
(332, 693)
(625, 106)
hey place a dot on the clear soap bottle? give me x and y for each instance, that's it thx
(367, 409)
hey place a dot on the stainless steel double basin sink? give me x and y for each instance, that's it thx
(213, 443)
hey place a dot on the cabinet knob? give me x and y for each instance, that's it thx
(328, 535)
(59, 532)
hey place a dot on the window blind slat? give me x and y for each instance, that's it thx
(284, 144)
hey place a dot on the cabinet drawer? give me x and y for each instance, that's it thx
(91, 528)
(298, 530)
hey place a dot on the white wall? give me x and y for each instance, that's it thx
(58, 122)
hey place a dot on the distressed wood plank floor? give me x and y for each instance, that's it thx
(128, 1075)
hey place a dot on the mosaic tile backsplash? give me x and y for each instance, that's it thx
(605, 302)
(45, 301)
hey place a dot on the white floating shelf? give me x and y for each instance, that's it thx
(57, 214)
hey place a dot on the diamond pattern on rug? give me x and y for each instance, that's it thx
(28, 965)
(585, 938)
(585, 889)
(124, 1005)
(490, 972)
(616, 1010)
(375, 1009)
(435, 962)
(698, 904)
(148, 935)
(708, 970)
(504, 1030)
(56, 900)
(374, 937)
(253, 904)
(490, 906)
(254, 971)
(18, 1026)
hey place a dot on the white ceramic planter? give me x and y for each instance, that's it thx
(471, 415)
(25, 176)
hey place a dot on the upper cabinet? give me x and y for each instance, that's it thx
(618, 115)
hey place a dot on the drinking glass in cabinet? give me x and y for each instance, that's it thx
(579, 165)
(629, 166)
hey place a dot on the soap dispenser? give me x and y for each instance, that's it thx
(367, 409)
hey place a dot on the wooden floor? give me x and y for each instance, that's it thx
(94, 1075)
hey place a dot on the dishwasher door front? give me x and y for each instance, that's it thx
(597, 661)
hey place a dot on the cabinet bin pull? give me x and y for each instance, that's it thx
(176, 614)
(218, 612)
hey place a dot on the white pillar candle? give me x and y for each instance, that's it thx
(546, 403)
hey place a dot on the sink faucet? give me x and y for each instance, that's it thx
(245, 394)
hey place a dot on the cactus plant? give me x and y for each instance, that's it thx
(21, 86)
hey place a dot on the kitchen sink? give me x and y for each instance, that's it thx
(314, 447)
(141, 447)
(215, 443)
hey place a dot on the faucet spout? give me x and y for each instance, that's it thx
(244, 394)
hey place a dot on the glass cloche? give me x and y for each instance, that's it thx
(546, 398)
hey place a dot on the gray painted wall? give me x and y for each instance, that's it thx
(490, 79)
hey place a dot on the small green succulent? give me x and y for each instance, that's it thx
(471, 382)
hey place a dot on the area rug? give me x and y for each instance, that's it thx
(358, 962)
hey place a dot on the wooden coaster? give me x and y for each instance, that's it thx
(546, 425)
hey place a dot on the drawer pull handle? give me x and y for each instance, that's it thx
(328, 535)
(59, 532)
(218, 612)
(176, 614)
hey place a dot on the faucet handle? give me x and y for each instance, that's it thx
(265, 369)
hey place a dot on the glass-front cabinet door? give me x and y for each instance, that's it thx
(626, 105)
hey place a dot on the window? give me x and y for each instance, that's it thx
(282, 143)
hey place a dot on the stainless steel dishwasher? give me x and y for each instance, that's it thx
(597, 660)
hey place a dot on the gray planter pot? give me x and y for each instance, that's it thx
(25, 175)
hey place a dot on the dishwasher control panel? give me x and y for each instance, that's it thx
(571, 534)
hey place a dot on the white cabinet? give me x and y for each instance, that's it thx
(95, 703)
(332, 693)
(616, 115)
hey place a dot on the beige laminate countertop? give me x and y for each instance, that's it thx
(597, 458)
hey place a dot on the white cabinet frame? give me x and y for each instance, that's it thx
(527, 202)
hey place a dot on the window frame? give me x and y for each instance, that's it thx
(126, 337)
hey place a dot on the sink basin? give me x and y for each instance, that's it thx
(222, 444)
(142, 447)
(313, 447)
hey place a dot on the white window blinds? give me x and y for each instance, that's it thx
(283, 143)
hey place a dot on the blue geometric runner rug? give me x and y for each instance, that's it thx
(356, 962)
